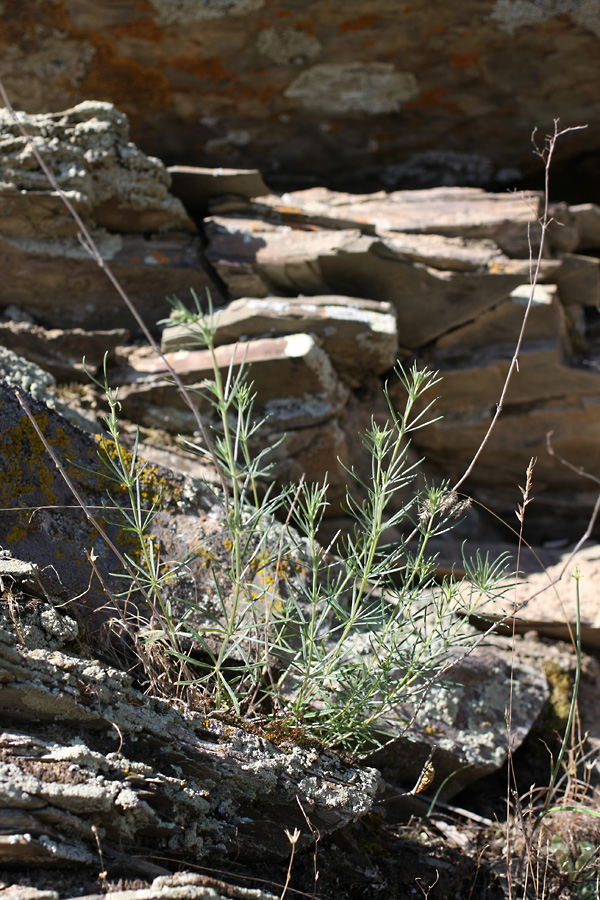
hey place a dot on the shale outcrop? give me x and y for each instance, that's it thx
(395, 95)
(319, 293)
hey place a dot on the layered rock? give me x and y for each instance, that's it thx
(85, 756)
(408, 96)
(325, 290)
(142, 231)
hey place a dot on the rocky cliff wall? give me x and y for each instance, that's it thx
(324, 291)
(384, 93)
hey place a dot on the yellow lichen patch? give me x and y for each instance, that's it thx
(561, 692)
(156, 484)
(26, 465)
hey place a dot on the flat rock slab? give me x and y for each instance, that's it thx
(546, 598)
(62, 351)
(56, 281)
(359, 336)
(256, 259)
(196, 186)
(295, 382)
(502, 325)
(182, 886)
(464, 212)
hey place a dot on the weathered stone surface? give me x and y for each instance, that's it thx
(578, 280)
(547, 595)
(58, 283)
(411, 95)
(61, 351)
(14, 370)
(563, 501)
(82, 748)
(502, 325)
(507, 219)
(107, 178)
(587, 223)
(42, 520)
(197, 186)
(465, 721)
(267, 259)
(359, 336)
(338, 88)
(122, 195)
(182, 886)
(294, 380)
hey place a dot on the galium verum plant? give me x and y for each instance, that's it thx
(335, 643)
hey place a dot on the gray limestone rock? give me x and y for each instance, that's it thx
(85, 755)
(109, 180)
(463, 722)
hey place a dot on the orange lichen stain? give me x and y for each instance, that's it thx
(262, 94)
(283, 13)
(427, 99)
(358, 24)
(146, 29)
(124, 81)
(18, 22)
(161, 258)
(464, 60)
(367, 44)
(134, 259)
(306, 25)
(212, 69)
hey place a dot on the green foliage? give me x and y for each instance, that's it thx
(576, 862)
(333, 644)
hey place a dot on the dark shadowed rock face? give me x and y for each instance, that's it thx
(406, 95)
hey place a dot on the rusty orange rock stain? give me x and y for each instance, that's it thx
(464, 60)
(161, 258)
(262, 94)
(358, 24)
(427, 99)
(211, 69)
(306, 25)
(146, 29)
(18, 20)
(122, 81)
(283, 13)
(366, 44)
(134, 259)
